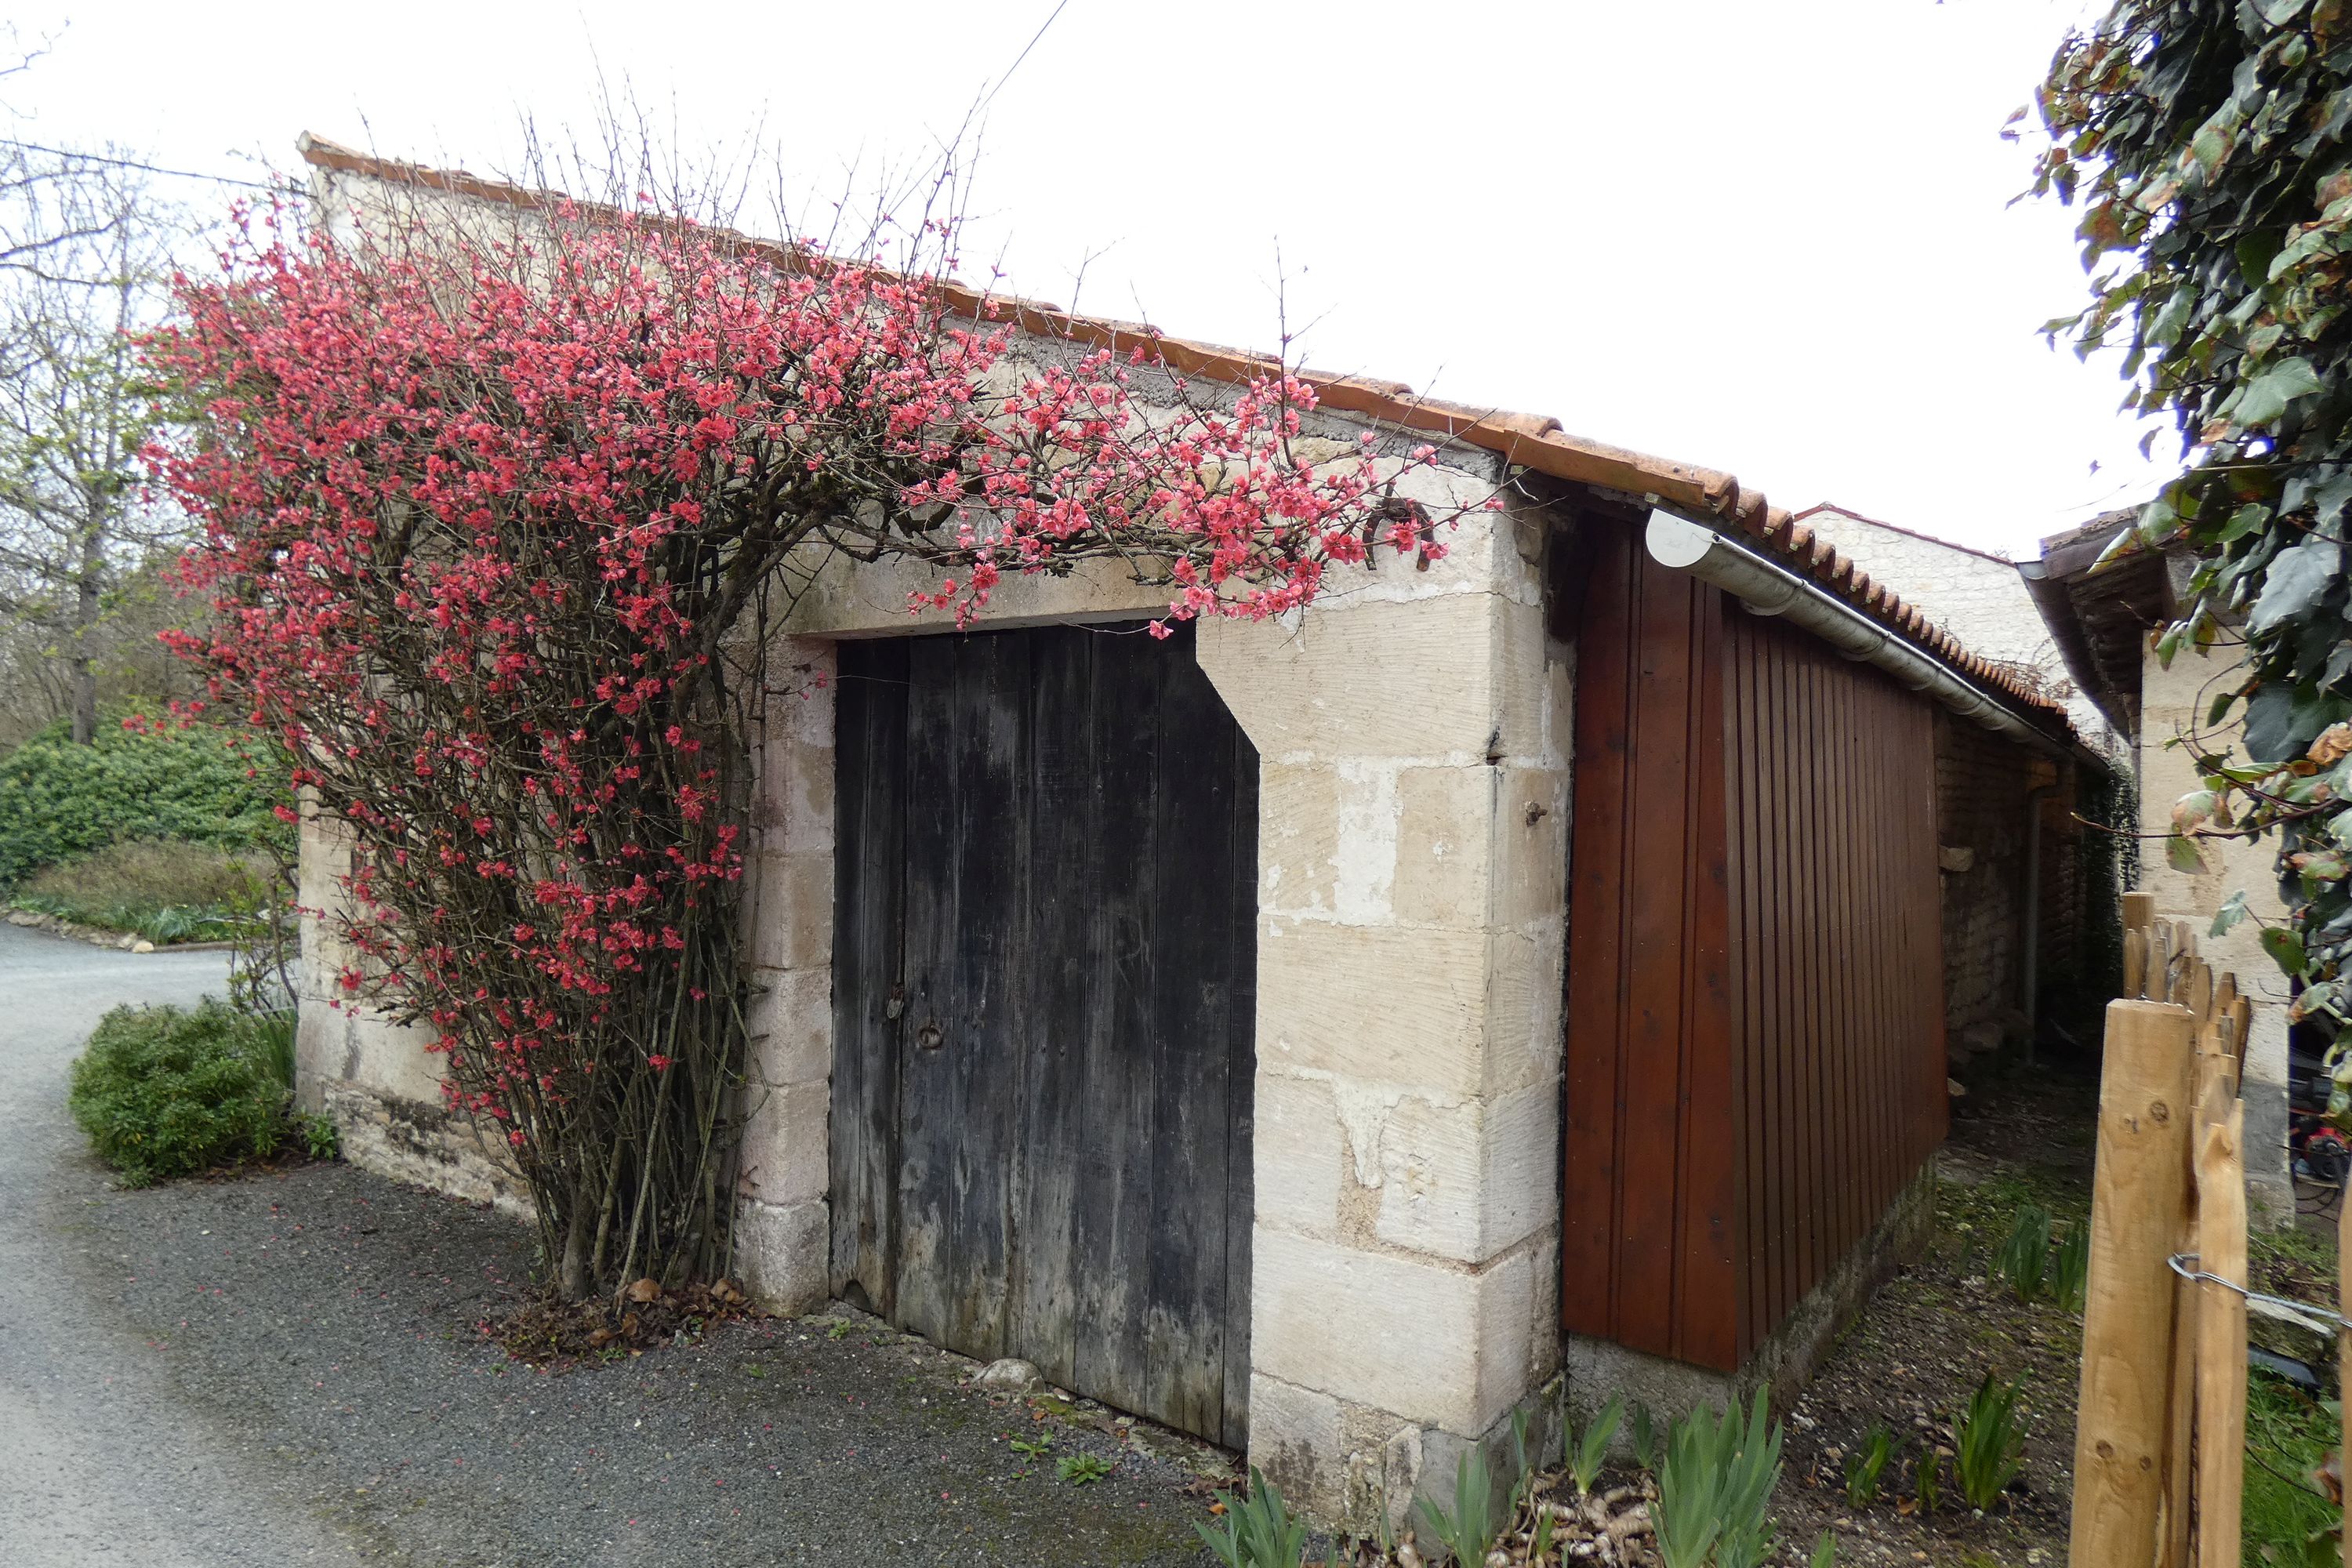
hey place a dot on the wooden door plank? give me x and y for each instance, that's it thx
(980, 1055)
(870, 759)
(1191, 844)
(1112, 1219)
(1062, 966)
(1240, 1088)
(928, 1110)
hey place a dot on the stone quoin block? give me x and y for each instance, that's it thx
(782, 1255)
(790, 1021)
(1469, 1181)
(1300, 1149)
(1318, 689)
(1373, 1002)
(791, 911)
(784, 1155)
(1298, 837)
(1437, 1345)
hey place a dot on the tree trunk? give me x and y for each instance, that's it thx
(86, 609)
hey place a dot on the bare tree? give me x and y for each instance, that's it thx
(86, 250)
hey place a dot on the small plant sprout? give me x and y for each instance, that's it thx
(1863, 1470)
(1714, 1486)
(1931, 1485)
(1258, 1531)
(1584, 1456)
(1824, 1552)
(319, 1136)
(1646, 1439)
(2070, 1268)
(1035, 1447)
(2025, 1257)
(1989, 1444)
(1468, 1529)
(1082, 1470)
(1524, 1474)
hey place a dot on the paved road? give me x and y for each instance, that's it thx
(99, 1464)
(286, 1368)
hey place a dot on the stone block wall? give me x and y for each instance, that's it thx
(1412, 732)
(2173, 702)
(376, 1078)
(1975, 594)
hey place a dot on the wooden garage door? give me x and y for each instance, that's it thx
(1044, 961)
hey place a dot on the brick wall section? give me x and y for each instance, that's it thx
(1981, 782)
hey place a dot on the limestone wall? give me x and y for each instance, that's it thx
(377, 1079)
(2173, 702)
(1413, 732)
(1975, 594)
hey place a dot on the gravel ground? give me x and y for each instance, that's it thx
(284, 1367)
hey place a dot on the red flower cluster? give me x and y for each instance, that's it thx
(490, 529)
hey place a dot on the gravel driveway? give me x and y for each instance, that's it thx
(283, 1369)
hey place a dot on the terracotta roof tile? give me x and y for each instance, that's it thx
(1530, 440)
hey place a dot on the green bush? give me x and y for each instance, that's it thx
(202, 784)
(163, 1092)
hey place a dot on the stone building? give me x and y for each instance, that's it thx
(2011, 838)
(1276, 1150)
(2103, 618)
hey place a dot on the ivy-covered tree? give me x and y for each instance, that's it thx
(2209, 148)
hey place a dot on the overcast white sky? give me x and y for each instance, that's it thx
(1770, 239)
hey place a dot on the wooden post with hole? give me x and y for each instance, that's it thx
(2220, 1330)
(2140, 1204)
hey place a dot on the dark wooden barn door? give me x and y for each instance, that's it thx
(1045, 966)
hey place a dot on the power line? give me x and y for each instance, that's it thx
(1024, 55)
(134, 164)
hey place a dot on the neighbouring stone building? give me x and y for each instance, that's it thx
(2011, 845)
(1276, 1150)
(2103, 617)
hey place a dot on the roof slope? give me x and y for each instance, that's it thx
(1530, 440)
(2101, 615)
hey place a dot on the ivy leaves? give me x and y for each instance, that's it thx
(2208, 149)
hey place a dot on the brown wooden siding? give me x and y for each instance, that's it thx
(1836, 955)
(1755, 1041)
(1648, 1233)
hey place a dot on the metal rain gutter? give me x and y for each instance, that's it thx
(1768, 589)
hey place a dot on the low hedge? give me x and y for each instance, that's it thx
(164, 1092)
(200, 785)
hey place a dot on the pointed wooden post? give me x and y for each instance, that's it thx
(2343, 1346)
(2221, 1339)
(2138, 1211)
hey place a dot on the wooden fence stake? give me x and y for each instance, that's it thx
(2221, 1339)
(2140, 1208)
(2342, 1349)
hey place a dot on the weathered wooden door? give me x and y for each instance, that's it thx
(1045, 962)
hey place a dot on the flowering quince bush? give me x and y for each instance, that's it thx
(493, 533)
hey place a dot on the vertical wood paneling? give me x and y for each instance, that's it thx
(1840, 813)
(1048, 855)
(1755, 1048)
(1650, 1222)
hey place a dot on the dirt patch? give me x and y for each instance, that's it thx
(1932, 1334)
